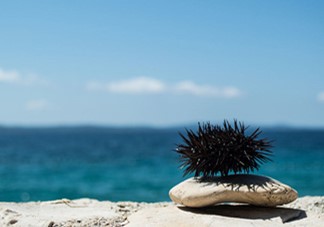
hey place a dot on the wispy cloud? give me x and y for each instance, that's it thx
(9, 76)
(132, 86)
(14, 77)
(320, 96)
(145, 85)
(206, 90)
(37, 105)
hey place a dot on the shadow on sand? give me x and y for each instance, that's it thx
(250, 212)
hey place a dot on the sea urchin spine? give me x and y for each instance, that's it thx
(221, 150)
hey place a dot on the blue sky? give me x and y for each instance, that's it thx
(161, 63)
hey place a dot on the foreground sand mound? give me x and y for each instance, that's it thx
(306, 211)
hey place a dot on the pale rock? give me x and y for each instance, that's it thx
(240, 188)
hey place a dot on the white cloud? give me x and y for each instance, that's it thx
(132, 86)
(14, 77)
(206, 90)
(231, 92)
(150, 85)
(37, 105)
(320, 96)
(9, 76)
(137, 85)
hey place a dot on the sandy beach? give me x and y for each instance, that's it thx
(305, 211)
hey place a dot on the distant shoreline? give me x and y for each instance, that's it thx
(149, 127)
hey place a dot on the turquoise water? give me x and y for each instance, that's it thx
(136, 164)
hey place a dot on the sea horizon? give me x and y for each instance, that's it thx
(276, 126)
(137, 164)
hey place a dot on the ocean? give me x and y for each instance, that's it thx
(131, 164)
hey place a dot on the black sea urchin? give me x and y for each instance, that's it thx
(215, 149)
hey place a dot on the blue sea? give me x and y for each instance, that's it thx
(137, 164)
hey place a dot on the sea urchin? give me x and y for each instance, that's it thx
(220, 150)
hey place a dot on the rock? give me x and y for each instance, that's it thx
(240, 188)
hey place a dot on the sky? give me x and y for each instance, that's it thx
(161, 63)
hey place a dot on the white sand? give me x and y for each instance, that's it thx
(305, 211)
